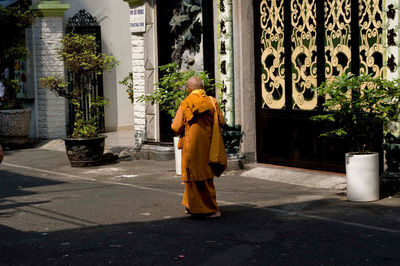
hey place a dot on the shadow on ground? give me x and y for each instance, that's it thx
(325, 231)
(14, 185)
(245, 235)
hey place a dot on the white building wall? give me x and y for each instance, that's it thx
(113, 17)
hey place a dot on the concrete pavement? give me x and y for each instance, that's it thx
(296, 176)
(121, 143)
(129, 213)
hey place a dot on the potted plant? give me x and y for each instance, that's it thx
(232, 136)
(14, 119)
(391, 177)
(357, 107)
(85, 146)
(170, 91)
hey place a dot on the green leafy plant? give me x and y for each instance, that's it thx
(232, 136)
(358, 106)
(128, 82)
(13, 21)
(80, 57)
(170, 91)
(392, 148)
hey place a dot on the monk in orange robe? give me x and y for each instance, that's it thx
(193, 122)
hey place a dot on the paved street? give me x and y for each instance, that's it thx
(129, 213)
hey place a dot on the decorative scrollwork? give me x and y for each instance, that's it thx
(82, 18)
(304, 54)
(272, 54)
(337, 36)
(337, 47)
(371, 48)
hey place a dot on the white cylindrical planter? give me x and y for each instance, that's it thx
(178, 157)
(362, 172)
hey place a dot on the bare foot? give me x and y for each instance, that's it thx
(214, 215)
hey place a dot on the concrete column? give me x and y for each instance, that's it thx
(138, 72)
(390, 181)
(47, 31)
(144, 62)
(245, 111)
(225, 61)
(151, 69)
(391, 47)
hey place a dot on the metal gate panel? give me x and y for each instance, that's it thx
(304, 54)
(84, 23)
(337, 38)
(272, 54)
(371, 48)
(298, 45)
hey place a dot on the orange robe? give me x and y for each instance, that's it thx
(194, 122)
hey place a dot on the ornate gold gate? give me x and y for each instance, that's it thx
(299, 44)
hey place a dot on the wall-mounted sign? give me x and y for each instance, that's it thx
(138, 19)
(390, 28)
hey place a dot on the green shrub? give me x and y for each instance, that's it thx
(357, 106)
(170, 91)
(80, 57)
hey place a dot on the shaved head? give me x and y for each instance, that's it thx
(194, 83)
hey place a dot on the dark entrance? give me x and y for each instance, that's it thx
(84, 23)
(298, 45)
(166, 42)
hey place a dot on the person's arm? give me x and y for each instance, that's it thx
(1, 154)
(178, 124)
(221, 118)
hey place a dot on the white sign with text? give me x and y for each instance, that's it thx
(138, 19)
